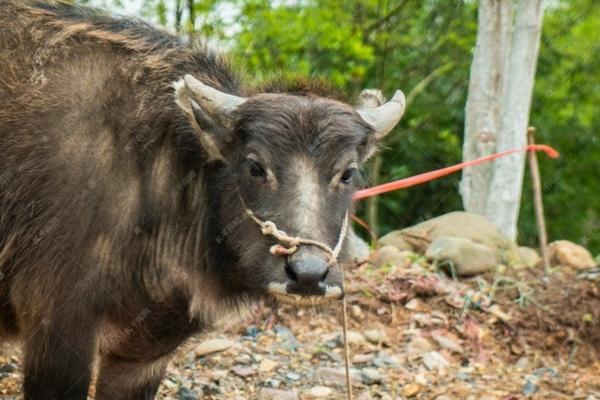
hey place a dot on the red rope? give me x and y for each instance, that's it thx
(438, 173)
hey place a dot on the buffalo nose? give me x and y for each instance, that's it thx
(307, 271)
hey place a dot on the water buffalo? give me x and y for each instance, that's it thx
(137, 177)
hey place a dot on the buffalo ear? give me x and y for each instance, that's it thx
(209, 113)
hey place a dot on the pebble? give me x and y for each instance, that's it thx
(320, 391)
(243, 371)
(274, 383)
(411, 389)
(292, 376)
(522, 362)
(385, 361)
(370, 376)
(284, 332)
(276, 394)
(186, 394)
(414, 305)
(529, 388)
(356, 312)
(289, 340)
(210, 390)
(418, 345)
(353, 338)
(267, 365)
(243, 359)
(447, 343)
(363, 358)
(7, 368)
(213, 346)
(336, 375)
(374, 336)
(252, 331)
(463, 376)
(435, 361)
(421, 379)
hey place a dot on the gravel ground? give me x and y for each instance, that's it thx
(414, 334)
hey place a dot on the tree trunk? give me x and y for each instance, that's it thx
(483, 108)
(498, 105)
(507, 178)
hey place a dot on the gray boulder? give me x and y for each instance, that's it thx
(467, 256)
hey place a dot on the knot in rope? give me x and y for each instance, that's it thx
(288, 245)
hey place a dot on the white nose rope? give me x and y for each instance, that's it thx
(289, 244)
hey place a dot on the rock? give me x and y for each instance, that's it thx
(213, 346)
(363, 358)
(356, 312)
(375, 336)
(186, 394)
(389, 255)
(420, 379)
(292, 376)
(463, 225)
(497, 311)
(274, 383)
(267, 365)
(358, 249)
(435, 361)
(463, 376)
(411, 389)
(336, 376)
(7, 368)
(320, 391)
(443, 397)
(447, 342)
(383, 360)
(467, 256)
(563, 252)
(418, 345)
(283, 332)
(243, 359)
(528, 256)
(396, 239)
(415, 305)
(210, 390)
(243, 371)
(370, 376)
(353, 338)
(522, 363)
(529, 388)
(276, 394)
(289, 341)
(252, 331)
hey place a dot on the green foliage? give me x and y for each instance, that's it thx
(425, 48)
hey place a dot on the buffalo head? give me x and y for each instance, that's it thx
(292, 160)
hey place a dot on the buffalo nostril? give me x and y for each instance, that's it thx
(289, 271)
(308, 271)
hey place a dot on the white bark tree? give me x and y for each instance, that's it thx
(498, 105)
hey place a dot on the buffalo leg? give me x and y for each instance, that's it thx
(58, 358)
(129, 380)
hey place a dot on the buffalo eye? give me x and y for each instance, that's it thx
(255, 169)
(347, 176)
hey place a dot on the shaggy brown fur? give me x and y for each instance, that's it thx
(118, 240)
